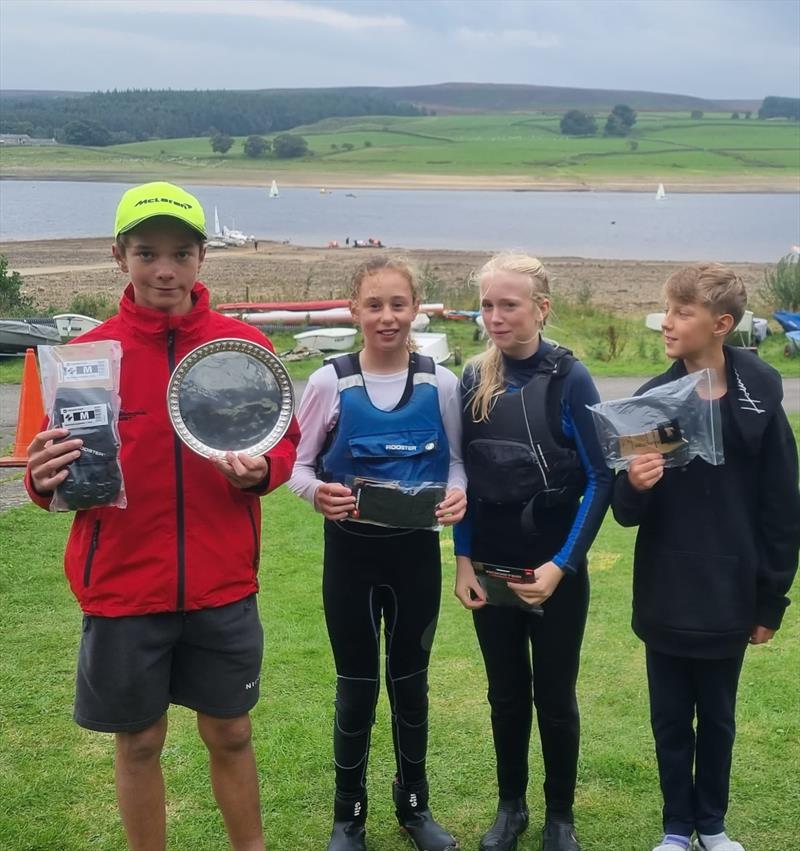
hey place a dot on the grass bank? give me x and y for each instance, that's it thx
(57, 779)
(501, 150)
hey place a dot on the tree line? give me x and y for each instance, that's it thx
(621, 119)
(115, 117)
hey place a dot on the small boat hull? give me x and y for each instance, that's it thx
(17, 335)
(434, 345)
(71, 325)
(331, 316)
(328, 339)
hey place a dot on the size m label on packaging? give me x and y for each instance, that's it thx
(70, 372)
(84, 415)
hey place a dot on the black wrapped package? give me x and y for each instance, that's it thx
(94, 479)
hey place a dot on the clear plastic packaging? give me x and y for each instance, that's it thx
(679, 419)
(494, 579)
(80, 390)
(396, 504)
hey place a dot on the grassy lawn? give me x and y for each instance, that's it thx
(670, 145)
(56, 779)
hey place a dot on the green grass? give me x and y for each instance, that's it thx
(671, 146)
(57, 780)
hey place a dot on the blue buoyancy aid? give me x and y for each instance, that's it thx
(407, 444)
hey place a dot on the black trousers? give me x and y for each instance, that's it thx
(533, 660)
(369, 578)
(694, 767)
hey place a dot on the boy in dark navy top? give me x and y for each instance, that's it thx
(716, 553)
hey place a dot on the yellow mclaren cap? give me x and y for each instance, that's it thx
(158, 199)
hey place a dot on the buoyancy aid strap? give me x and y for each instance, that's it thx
(541, 414)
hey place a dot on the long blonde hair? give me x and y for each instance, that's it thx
(488, 365)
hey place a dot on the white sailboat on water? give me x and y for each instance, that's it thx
(273, 190)
(660, 193)
(216, 240)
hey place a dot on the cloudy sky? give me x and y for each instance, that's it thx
(707, 48)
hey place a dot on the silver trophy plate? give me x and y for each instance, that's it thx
(230, 395)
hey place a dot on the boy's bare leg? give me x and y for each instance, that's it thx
(140, 786)
(234, 778)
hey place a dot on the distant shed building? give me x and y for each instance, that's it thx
(23, 139)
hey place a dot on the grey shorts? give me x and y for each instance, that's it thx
(131, 668)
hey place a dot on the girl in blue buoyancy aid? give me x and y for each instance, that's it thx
(538, 490)
(392, 415)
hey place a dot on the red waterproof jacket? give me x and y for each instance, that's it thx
(188, 539)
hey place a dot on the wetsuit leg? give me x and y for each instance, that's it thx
(352, 614)
(557, 637)
(504, 638)
(410, 596)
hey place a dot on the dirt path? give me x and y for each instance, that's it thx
(55, 271)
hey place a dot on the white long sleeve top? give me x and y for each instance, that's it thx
(319, 412)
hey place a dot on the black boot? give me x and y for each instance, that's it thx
(559, 836)
(510, 822)
(349, 815)
(411, 809)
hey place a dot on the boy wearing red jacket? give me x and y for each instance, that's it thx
(167, 585)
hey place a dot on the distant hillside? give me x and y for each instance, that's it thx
(494, 97)
(149, 114)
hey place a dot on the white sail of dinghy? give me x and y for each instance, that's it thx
(273, 190)
(660, 193)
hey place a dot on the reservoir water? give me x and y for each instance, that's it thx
(735, 227)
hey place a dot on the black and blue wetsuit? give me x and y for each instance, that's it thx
(532, 659)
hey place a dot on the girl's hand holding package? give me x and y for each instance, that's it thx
(543, 587)
(334, 500)
(451, 509)
(468, 590)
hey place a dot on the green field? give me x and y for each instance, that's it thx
(671, 148)
(56, 779)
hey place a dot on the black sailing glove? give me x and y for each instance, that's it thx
(94, 478)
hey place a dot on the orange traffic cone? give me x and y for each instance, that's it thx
(31, 413)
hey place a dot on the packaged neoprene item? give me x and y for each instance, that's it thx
(494, 579)
(678, 419)
(396, 504)
(80, 385)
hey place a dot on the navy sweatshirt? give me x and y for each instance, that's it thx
(717, 547)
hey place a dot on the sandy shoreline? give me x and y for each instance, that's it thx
(55, 271)
(501, 183)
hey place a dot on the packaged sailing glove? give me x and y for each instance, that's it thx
(397, 504)
(94, 478)
(80, 388)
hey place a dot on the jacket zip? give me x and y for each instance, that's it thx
(179, 517)
(93, 544)
(256, 548)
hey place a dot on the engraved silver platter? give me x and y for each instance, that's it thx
(230, 395)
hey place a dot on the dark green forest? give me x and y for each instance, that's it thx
(129, 116)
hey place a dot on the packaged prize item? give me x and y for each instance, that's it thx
(80, 385)
(494, 579)
(397, 504)
(680, 420)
